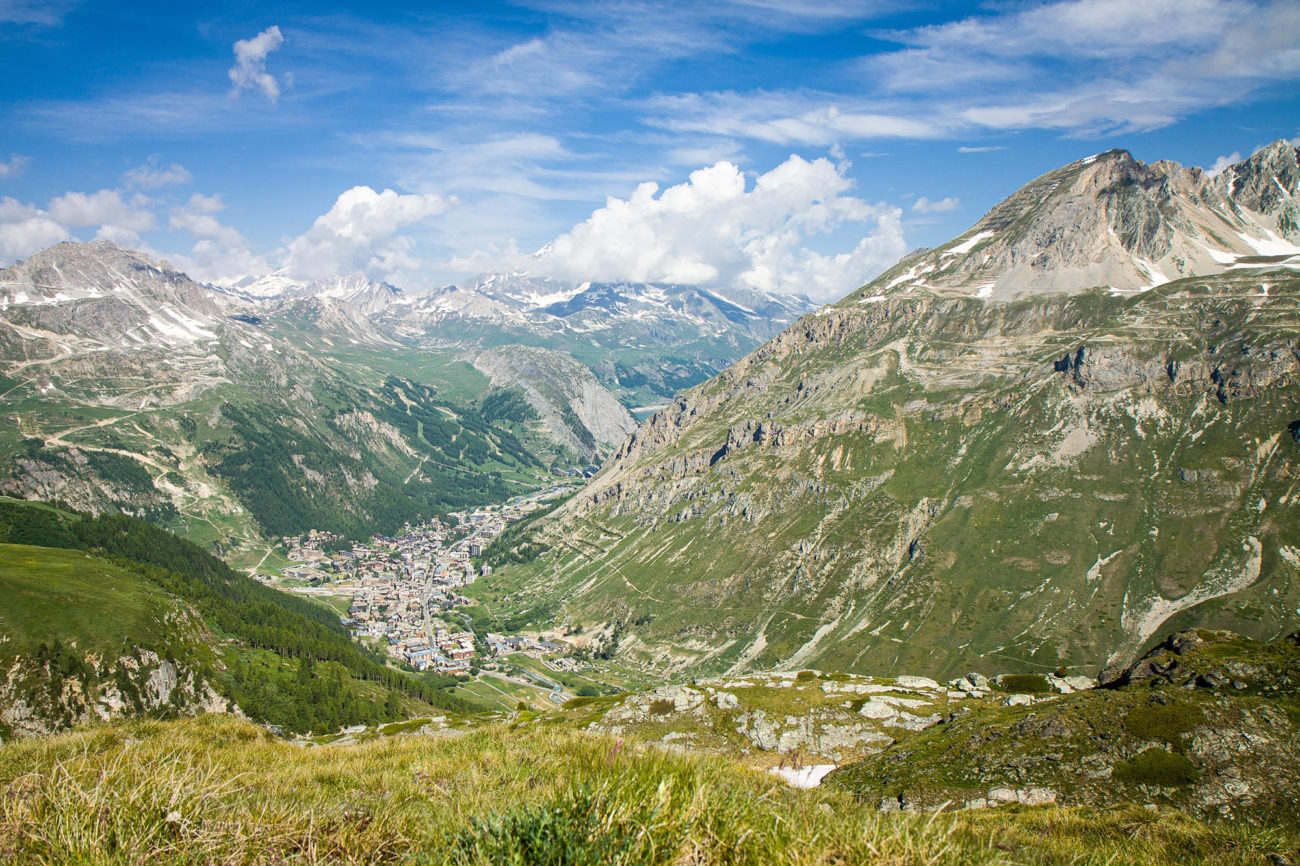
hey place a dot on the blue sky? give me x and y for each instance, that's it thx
(789, 145)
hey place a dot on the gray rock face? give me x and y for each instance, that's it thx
(577, 410)
(336, 318)
(155, 684)
(1113, 221)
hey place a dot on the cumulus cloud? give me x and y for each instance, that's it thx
(25, 229)
(925, 205)
(361, 232)
(103, 208)
(213, 262)
(249, 71)
(123, 237)
(1223, 162)
(154, 175)
(221, 254)
(715, 229)
(197, 218)
(15, 166)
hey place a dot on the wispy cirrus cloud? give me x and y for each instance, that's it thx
(787, 118)
(1081, 67)
(154, 175)
(1094, 66)
(16, 165)
(38, 13)
(925, 205)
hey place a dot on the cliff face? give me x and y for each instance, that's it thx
(41, 695)
(576, 410)
(925, 479)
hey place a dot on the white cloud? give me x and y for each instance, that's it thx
(788, 118)
(123, 237)
(988, 148)
(213, 262)
(361, 233)
(249, 71)
(15, 166)
(924, 205)
(220, 254)
(1223, 162)
(197, 219)
(25, 229)
(1082, 67)
(153, 175)
(1093, 67)
(984, 48)
(715, 230)
(200, 203)
(103, 208)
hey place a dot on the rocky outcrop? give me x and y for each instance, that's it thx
(1228, 372)
(1204, 723)
(578, 412)
(1114, 222)
(42, 695)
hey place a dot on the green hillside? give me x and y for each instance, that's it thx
(70, 593)
(935, 485)
(83, 587)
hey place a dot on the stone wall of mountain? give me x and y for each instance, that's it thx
(1112, 221)
(577, 411)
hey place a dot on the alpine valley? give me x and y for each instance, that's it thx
(257, 411)
(527, 571)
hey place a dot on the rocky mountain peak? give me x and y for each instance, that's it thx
(1114, 222)
(1267, 182)
(100, 270)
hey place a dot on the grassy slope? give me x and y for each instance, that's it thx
(1009, 530)
(215, 790)
(62, 592)
(75, 596)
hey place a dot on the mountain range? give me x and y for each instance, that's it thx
(1078, 414)
(1034, 447)
(273, 406)
(644, 341)
(130, 387)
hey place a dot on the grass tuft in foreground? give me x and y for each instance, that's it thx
(218, 790)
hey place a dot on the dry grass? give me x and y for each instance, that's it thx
(216, 790)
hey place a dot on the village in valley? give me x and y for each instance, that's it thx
(403, 588)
